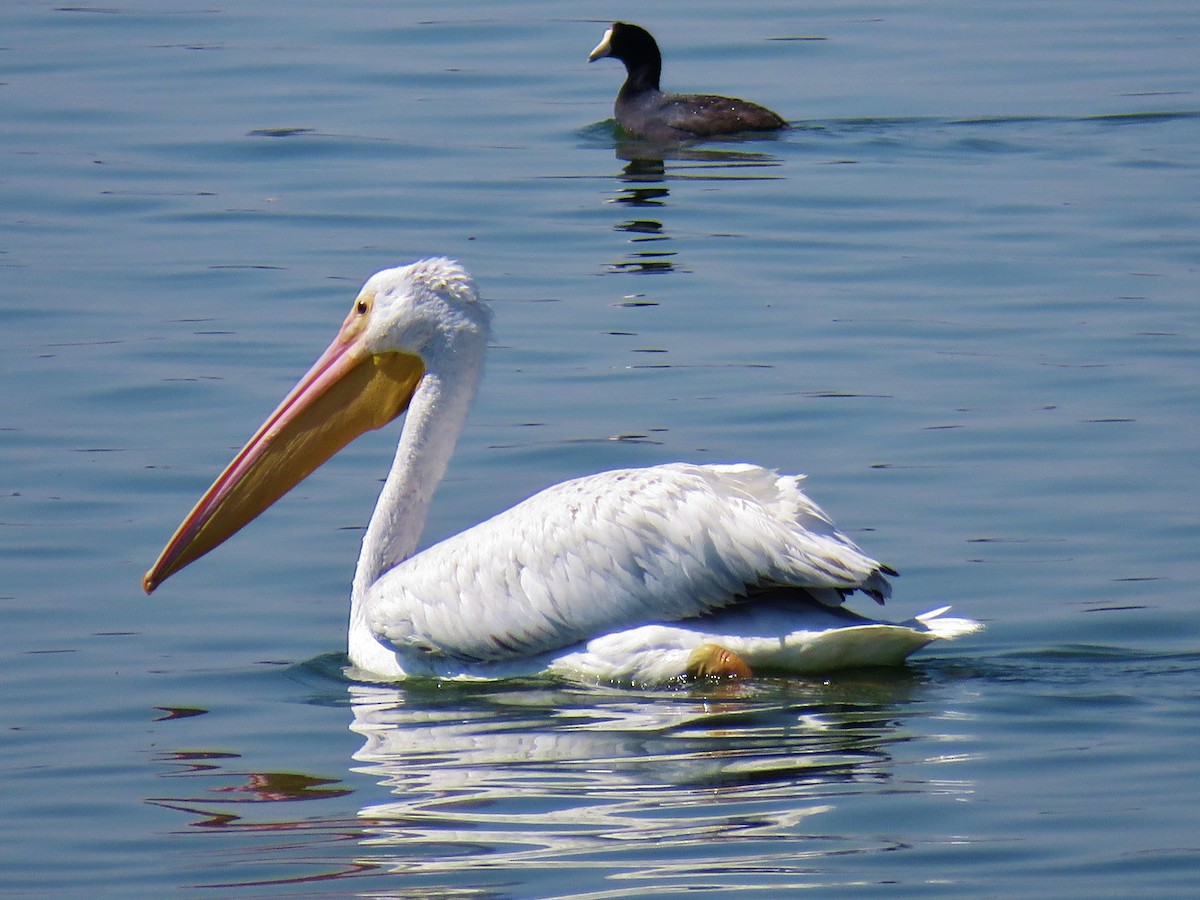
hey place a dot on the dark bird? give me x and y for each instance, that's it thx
(647, 112)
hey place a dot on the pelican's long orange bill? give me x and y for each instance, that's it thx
(347, 392)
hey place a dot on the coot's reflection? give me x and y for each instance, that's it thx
(643, 188)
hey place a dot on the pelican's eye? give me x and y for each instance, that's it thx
(357, 318)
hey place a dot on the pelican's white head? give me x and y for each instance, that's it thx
(430, 309)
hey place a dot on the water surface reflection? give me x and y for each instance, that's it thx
(635, 786)
(567, 790)
(643, 189)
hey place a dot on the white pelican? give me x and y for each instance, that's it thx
(635, 575)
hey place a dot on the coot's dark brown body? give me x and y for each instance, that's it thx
(647, 112)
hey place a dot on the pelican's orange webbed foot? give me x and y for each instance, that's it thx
(716, 662)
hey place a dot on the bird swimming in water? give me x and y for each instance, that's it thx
(648, 113)
(639, 576)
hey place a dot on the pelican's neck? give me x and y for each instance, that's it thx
(431, 427)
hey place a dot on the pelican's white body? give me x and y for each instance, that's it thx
(618, 575)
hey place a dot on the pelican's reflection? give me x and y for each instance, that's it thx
(630, 783)
(496, 785)
(643, 187)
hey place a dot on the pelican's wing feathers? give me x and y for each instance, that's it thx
(613, 551)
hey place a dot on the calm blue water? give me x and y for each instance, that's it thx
(961, 295)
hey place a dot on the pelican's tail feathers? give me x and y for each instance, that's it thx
(945, 627)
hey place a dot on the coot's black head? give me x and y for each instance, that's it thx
(634, 46)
